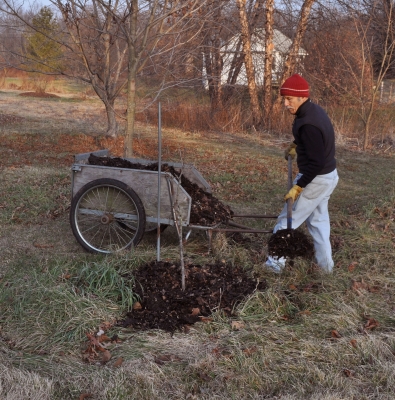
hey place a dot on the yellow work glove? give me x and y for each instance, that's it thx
(293, 193)
(290, 151)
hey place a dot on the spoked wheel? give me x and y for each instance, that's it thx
(106, 216)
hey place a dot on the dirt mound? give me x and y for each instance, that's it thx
(36, 94)
(290, 243)
(206, 209)
(208, 288)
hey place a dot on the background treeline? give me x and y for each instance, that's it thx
(133, 53)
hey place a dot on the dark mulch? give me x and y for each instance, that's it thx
(206, 210)
(39, 94)
(290, 243)
(208, 288)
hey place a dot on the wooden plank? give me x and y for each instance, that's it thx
(144, 183)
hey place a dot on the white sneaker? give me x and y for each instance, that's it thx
(275, 264)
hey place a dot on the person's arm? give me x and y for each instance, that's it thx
(313, 143)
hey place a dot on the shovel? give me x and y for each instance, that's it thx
(289, 201)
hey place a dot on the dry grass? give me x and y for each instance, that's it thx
(308, 336)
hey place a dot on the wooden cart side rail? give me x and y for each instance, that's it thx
(145, 184)
(188, 170)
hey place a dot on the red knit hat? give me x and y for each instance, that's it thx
(295, 86)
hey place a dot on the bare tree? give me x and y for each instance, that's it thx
(290, 62)
(352, 52)
(149, 28)
(91, 44)
(268, 67)
(248, 62)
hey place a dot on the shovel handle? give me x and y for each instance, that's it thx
(289, 201)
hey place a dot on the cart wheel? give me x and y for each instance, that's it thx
(106, 216)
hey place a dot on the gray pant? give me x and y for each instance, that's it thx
(312, 207)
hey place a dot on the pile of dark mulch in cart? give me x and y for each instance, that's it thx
(290, 243)
(206, 210)
(209, 288)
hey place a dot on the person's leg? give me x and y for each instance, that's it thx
(318, 224)
(315, 194)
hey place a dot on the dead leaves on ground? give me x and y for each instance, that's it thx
(361, 287)
(97, 349)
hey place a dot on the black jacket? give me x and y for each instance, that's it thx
(315, 139)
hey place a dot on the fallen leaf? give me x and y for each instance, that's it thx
(353, 343)
(348, 372)
(292, 287)
(195, 311)
(119, 362)
(106, 356)
(137, 306)
(371, 323)
(237, 325)
(335, 334)
(249, 351)
(95, 342)
(104, 338)
(358, 286)
(352, 266)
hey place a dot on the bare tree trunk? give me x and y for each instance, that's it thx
(290, 62)
(112, 124)
(131, 85)
(213, 65)
(268, 67)
(248, 62)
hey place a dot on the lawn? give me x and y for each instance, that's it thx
(306, 336)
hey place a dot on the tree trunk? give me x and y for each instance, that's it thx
(213, 65)
(268, 67)
(131, 86)
(112, 124)
(248, 62)
(289, 66)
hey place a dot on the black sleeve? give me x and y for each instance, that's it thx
(313, 144)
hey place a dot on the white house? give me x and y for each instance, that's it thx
(281, 48)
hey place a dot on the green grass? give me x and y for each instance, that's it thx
(52, 293)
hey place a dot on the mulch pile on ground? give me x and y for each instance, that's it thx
(208, 288)
(290, 243)
(206, 210)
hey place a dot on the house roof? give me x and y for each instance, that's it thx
(281, 43)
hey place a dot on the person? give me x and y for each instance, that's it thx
(314, 148)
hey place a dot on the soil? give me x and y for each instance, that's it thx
(206, 210)
(209, 288)
(290, 243)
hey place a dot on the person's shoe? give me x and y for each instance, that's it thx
(275, 264)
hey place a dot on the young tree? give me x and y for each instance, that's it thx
(44, 53)
(147, 27)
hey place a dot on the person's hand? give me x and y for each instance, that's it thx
(290, 151)
(293, 193)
